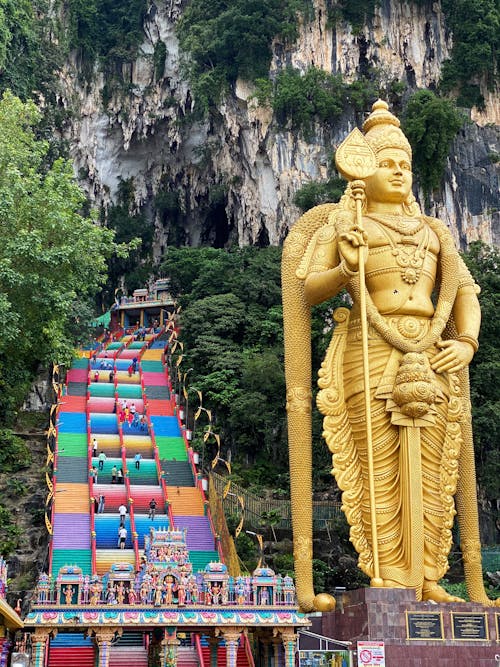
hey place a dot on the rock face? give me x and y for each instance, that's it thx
(231, 178)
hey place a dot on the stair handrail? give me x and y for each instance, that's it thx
(93, 540)
(248, 650)
(160, 473)
(199, 651)
(154, 445)
(129, 499)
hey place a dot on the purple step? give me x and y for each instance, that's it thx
(71, 531)
(199, 535)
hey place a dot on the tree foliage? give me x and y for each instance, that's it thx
(50, 258)
(355, 13)
(226, 40)
(111, 30)
(315, 95)
(484, 263)
(430, 123)
(129, 226)
(232, 330)
(319, 192)
(475, 55)
(29, 54)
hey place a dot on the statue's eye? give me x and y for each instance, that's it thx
(384, 163)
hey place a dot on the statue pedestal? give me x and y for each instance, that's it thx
(417, 634)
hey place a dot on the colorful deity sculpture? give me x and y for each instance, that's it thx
(393, 385)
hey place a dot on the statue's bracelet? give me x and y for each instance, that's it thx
(345, 271)
(466, 338)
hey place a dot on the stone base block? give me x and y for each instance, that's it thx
(448, 635)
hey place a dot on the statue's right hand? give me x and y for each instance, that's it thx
(349, 245)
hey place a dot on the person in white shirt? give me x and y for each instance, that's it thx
(122, 511)
(122, 536)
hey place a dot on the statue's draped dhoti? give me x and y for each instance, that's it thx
(415, 459)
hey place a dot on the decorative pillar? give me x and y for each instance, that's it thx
(169, 644)
(103, 638)
(231, 636)
(214, 646)
(289, 639)
(266, 654)
(39, 642)
(276, 643)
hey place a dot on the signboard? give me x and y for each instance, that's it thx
(468, 626)
(324, 659)
(424, 625)
(371, 654)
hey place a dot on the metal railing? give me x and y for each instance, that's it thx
(257, 508)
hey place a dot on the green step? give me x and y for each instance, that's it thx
(147, 473)
(138, 345)
(81, 362)
(72, 444)
(129, 391)
(149, 366)
(80, 557)
(114, 346)
(200, 559)
(171, 448)
(106, 389)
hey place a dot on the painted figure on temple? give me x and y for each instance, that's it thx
(169, 586)
(95, 593)
(68, 594)
(393, 385)
(120, 593)
(86, 589)
(132, 595)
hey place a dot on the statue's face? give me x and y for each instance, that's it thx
(393, 179)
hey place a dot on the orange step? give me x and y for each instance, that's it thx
(185, 500)
(72, 498)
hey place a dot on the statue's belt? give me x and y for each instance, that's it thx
(411, 327)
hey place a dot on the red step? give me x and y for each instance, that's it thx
(241, 658)
(128, 656)
(81, 656)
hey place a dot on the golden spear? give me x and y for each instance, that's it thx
(356, 160)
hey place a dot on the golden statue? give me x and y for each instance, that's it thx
(394, 382)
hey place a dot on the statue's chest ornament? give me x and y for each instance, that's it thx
(408, 252)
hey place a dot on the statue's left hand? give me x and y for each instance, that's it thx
(453, 357)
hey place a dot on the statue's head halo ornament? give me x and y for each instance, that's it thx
(382, 130)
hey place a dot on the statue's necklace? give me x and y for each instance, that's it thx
(409, 255)
(404, 226)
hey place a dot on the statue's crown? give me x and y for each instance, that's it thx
(382, 129)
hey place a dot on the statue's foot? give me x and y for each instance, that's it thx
(432, 592)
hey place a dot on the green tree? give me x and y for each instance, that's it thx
(226, 40)
(50, 257)
(475, 54)
(484, 263)
(430, 123)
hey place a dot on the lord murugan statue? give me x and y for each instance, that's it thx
(393, 387)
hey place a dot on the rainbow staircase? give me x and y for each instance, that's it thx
(88, 538)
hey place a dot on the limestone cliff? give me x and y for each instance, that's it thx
(235, 173)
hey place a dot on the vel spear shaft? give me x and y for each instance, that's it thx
(356, 160)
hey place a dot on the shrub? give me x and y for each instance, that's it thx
(430, 123)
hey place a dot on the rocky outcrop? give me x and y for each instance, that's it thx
(233, 175)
